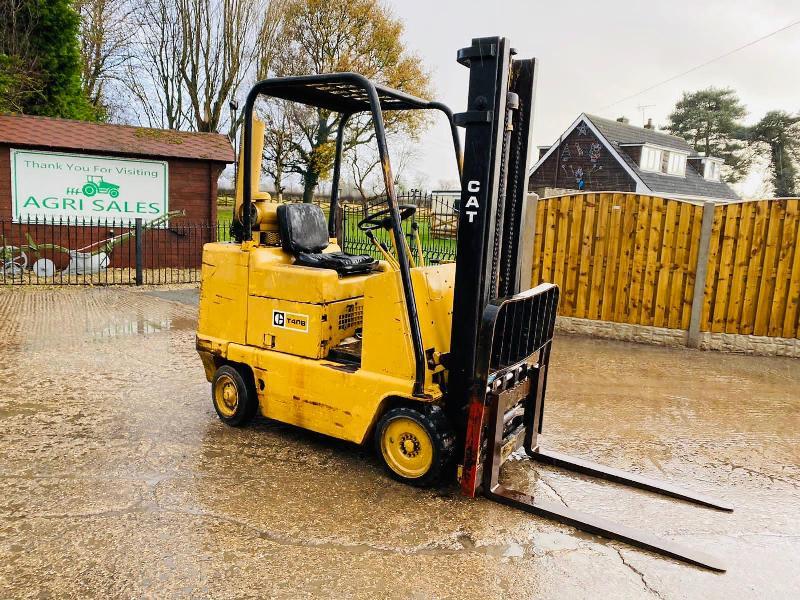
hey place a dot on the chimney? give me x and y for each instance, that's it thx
(649, 124)
(623, 120)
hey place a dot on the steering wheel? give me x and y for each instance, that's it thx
(383, 218)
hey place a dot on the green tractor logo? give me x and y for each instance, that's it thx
(95, 184)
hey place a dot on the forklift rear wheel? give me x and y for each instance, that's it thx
(416, 447)
(234, 399)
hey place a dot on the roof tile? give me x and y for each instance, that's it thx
(693, 184)
(63, 134)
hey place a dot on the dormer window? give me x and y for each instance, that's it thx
(676, 164)
(651, 159)
(712, 168)
(663, 160)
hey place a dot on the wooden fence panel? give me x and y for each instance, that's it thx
(612, 271)
(619, 257)
(791, 320)
(752, 286)
(632, 259)
(741, 262)
(599, 255)
(729, 225)
(627, 238)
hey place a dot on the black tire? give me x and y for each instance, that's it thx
(246, 402)
(441, 436)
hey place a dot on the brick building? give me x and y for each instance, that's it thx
(54, 169)
(597, 154)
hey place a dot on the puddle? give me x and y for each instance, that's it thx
(142, 325)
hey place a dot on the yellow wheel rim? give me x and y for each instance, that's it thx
(407, 448)
(226, 395)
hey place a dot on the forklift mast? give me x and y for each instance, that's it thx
(494, 183)
(502, 331)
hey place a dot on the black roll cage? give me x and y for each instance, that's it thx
(348, 94)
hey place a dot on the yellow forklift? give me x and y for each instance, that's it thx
(443, 367)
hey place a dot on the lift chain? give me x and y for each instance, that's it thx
(512, 102)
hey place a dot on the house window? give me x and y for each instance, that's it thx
(651, 159)
(711, 169)
(676, 164)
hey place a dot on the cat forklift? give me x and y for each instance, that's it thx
(443, 367)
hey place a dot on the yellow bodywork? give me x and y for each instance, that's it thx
(282, 320)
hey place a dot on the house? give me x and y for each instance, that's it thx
(597, 154)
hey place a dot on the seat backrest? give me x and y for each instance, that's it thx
(303, 228)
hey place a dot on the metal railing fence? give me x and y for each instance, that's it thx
(104, 252)
(53, 251)
(436, 218)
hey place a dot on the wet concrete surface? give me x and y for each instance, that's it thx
(118, 480)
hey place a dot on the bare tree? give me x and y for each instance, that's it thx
(219, 48)
(323, 36)
(190, 57)
(105, 37)
(363, 162)
(153, 73)
(267, 42)
(278, 144)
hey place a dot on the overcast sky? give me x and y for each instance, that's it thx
(593, 54)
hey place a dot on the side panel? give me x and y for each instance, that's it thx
(433, 288)
(223, 293)
(309, 330)
(387, 340)
(319, 395)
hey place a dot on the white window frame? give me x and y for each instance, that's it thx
(676, 163)
(712, 169)
(651, 158)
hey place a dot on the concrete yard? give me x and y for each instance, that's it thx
(118, 480)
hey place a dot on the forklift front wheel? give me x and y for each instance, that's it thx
(416, 448)
(234, 400)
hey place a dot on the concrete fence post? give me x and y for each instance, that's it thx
(527, 238)
(139, 252)
(701, 272)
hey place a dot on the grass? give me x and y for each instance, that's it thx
(224, 213)
(436, 248)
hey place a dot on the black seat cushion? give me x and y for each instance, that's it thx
(344, 264)
(305, 234)
(302, 228)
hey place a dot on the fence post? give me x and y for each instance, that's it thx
(527, 239)
(701, 271)
(338, 220)
(139, 257)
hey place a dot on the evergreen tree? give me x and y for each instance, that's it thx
(779, 134)
(40, 63)
(710, 120)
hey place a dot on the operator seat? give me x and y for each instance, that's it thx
(305, 234)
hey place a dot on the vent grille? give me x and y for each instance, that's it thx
(353, 316)
(272, 238)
